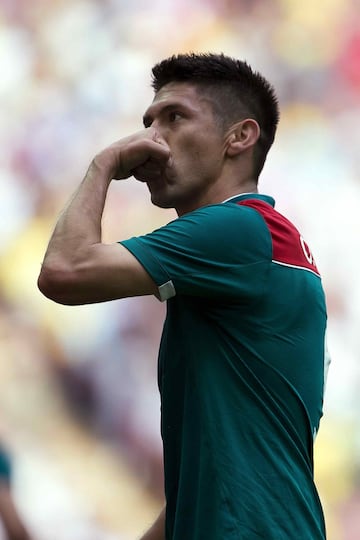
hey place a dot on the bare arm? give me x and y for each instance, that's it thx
(13, 525)
(157, 531)
(78, 268)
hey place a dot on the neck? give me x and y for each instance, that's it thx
(227, 189)
(248, 187)
(217, 194)
(238, 195)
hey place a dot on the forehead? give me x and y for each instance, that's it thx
(179, 93)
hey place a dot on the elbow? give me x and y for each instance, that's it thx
(57, 285)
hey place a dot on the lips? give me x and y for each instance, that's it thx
(148, 171)
(152, 172)
(165, 175)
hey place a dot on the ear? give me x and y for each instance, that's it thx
(242, 136)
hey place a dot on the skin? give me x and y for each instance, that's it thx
(186, 161)
(198, 172)
(12, 522)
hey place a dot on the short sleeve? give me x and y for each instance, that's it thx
(216, 251)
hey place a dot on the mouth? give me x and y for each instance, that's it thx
(163, 175)
(149, 172)
(156, 183)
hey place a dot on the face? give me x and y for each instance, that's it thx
(185, 121)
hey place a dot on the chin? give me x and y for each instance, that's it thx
(161, 202)
(160, 198)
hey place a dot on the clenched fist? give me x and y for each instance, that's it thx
(143, 155)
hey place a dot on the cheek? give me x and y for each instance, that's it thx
(198, 151)
(207, 156)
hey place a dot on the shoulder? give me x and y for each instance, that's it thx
(219, 218)
(228, 210)
(214, 231)
(207, 252)
(222, 224)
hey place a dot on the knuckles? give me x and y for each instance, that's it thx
(144, 152)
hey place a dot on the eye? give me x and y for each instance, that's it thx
(174, 116)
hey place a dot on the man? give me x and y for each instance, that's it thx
(241, 362)
(11, 521)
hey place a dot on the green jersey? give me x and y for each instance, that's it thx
(5, 466)
(241, 372)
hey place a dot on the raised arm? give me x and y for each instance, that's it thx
(78, 268)
(10, 517)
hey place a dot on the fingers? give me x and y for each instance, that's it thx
(150, 170)
(147, 151)
(144, 152)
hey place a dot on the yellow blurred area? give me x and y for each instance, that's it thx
(302, 38)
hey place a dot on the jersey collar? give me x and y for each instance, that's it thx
(242, 196)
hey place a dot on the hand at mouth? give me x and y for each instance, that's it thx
(150, 171)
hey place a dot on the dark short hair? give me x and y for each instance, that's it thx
(237, 92)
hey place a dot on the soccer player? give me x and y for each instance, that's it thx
(241, 361)
(10, 518)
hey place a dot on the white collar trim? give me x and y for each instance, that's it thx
(239, 195)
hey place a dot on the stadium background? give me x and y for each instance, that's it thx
(79, 409)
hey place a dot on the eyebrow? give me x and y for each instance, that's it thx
(148, 118)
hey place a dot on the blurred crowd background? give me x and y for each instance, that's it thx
(79, 406)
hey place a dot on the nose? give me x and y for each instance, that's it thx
(159, 133)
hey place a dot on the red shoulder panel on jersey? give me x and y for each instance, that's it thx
(289, 247)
